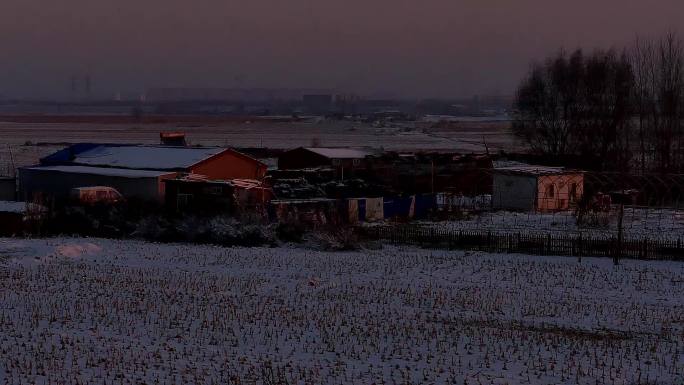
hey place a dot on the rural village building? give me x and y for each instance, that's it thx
(536, 188)
(345, 160)
(212, 162)
(135, 171)
(205, 196)
(327, 185)
(429, 172)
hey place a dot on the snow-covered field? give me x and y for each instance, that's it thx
(638, 223)
(17, 146)
(94, 311)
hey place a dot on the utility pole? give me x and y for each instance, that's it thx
(618, 252)
(432, 175)
(13, 169)
(87, 87)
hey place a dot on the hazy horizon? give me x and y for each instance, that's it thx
(401, 48)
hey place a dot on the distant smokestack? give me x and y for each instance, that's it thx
(73, 83)
(87, 86)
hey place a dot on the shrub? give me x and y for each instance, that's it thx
(153, 228)
(290, 231)
(593, 220)
(338, 239)
(193, 229)
(228, 231)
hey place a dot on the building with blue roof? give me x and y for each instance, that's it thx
(134, 170)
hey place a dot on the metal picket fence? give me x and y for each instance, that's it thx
(527, 243)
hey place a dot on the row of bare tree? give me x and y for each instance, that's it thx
(609, 110)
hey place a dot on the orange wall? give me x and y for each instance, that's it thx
(229, 165)
(562, 199)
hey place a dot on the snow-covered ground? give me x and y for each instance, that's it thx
(638, 223)
(95, 311)
(18, 147)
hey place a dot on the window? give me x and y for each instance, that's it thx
(550, 191)
(213, 190)
(573, 192)
(356, 162)
(336, 162)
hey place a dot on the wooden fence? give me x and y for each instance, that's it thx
(525, 243)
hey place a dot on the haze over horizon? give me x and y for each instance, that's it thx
(401, 48)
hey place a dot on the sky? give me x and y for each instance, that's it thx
(397, 48)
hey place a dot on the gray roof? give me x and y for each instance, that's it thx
(299, 201)
(144, 157)
(535, 170)
(12, 207)
(339, 153)
(19, 207)
(106, 171)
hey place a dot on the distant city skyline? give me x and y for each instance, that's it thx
(400, 48)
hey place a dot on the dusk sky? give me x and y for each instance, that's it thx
(403, 48)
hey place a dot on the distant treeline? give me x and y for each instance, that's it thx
(609, 110)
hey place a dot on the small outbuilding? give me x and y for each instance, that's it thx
(536, 188)
(187, 194)
(309, 212)
(172, 139)
(347, 159)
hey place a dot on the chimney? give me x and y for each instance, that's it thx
(172, 139)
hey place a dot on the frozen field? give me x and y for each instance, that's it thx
(466, 137)
(96, 311)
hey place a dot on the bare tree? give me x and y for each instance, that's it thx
(642, 62)
(604, 129)
(545, 104)
(658, 68)
(578, 106)
(670, 87)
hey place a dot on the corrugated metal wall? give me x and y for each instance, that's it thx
(58, 184)
(514, 192)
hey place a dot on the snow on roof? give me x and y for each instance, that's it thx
(247, 183)
(303, 201)
(144, 157)
(339, 153)
(534, 170)
(19, 207)
(106, 171)
(12, 207)
(508, 163)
